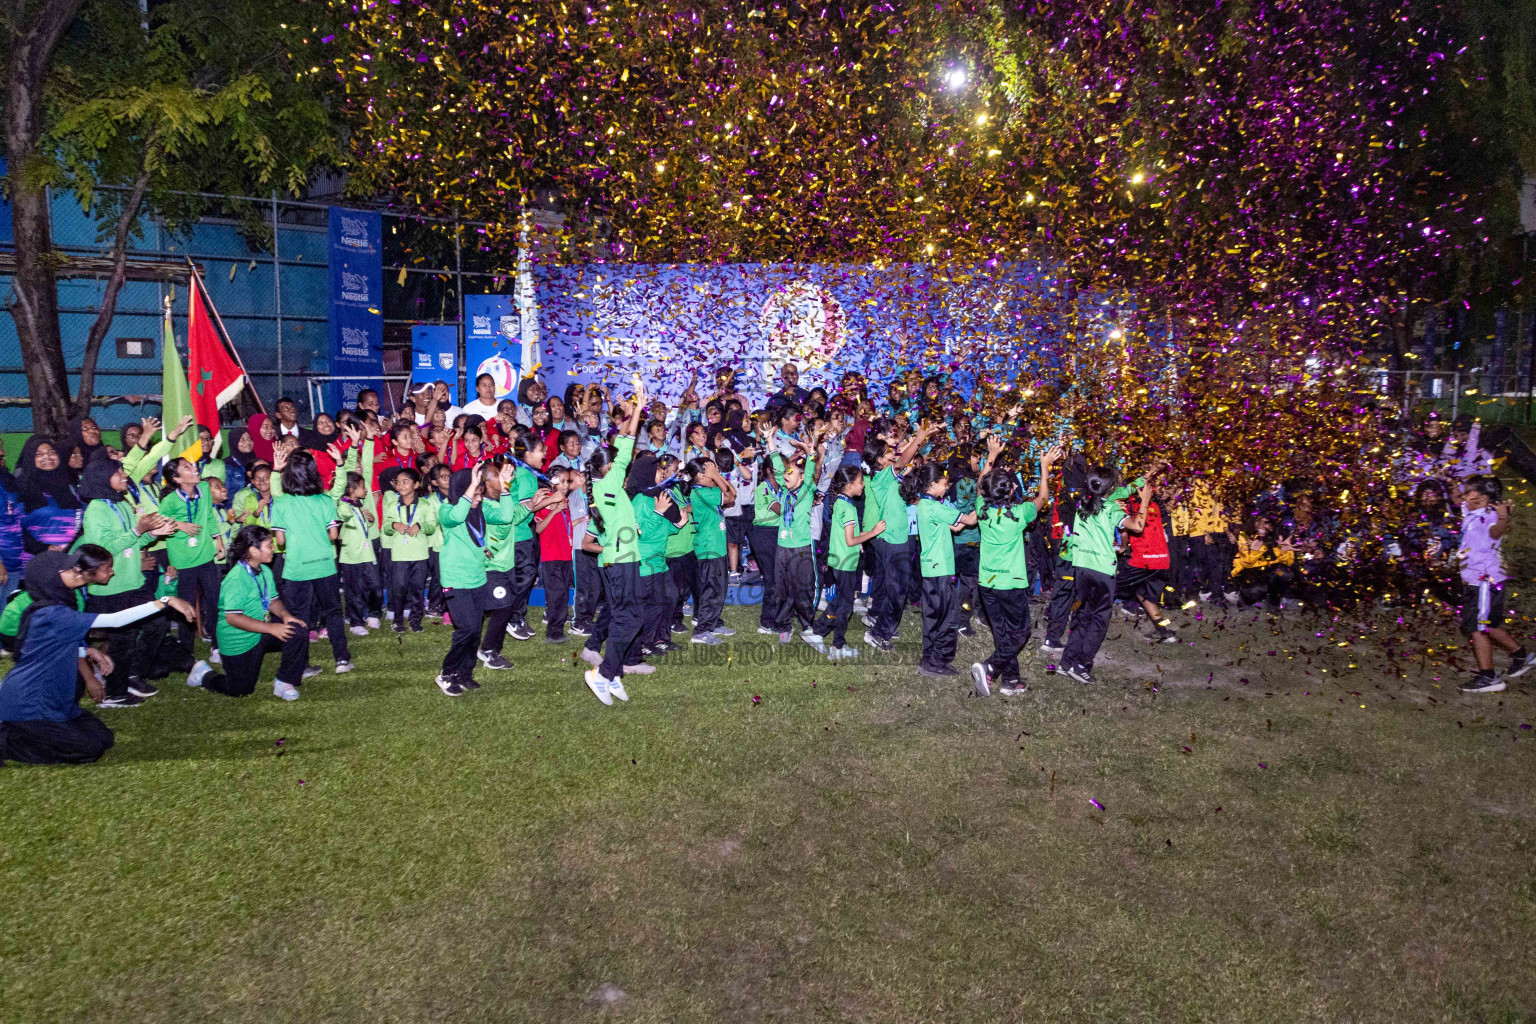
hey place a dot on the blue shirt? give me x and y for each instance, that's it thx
(41, 685)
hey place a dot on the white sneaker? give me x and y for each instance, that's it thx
(642, 669)
(213, 657)
(373, 621)
(980, 680)
(1205, 595)
(767, 632)
(591, 657)
(810, 636)
(842, 653)
(1054, 652)
(724, 631)
(815, 641)
(616, 688)
(343, 667)
(360, 630)
(310, 671)
(867, 619)
(1232, 596)
(599, 686)
(195, 677)
(285, 691)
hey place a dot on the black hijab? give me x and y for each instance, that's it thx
(46, 588)
(236, 455)
(458, 486)
(39, 485)
(96, 479)
(75, 438)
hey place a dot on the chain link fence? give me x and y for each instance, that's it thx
(265, 264)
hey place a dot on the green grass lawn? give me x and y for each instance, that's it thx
(1276, 842)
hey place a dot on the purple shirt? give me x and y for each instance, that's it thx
(1481, 557)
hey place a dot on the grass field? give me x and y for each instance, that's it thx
(1272, 822)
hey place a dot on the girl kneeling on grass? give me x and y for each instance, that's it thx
(41, 721)
(844, 546)
(248, 603)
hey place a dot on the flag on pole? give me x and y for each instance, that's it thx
(176, 398)
(212, 375)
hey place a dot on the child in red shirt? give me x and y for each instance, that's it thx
(556, 567)
(1145, 576)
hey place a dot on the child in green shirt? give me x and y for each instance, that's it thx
(710, 492)
(659, 517)
(794, 564)
(937, 523)
(411, 520)
(360, 579)
(1004, 515)
(844, 545)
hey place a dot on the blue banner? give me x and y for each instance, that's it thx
(493, 343)
(357, 302)
(674, 323)
(435, 355)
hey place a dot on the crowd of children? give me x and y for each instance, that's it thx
(630, 513)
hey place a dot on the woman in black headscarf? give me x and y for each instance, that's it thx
(81, 435)
(41, 721)
(50, 502)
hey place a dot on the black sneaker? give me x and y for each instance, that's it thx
(495, 661)
(1483, 682)
(579, 630)
(468, 683)
(1077, 672)
(416, 627)
(127, 700)
(1012, 688)
(1519, 664)
(519, 631)
(967, 630)
(141, 688)
(449, 686)
(401, 629)
(1163, 635)
(554, 639)
(937, 671)
(679, 627)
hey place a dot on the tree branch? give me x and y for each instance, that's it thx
(115, 280)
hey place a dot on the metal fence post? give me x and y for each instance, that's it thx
(1456, 395)
(277, 292)
(458, 284)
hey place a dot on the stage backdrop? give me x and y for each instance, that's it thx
(493, 343)
(435, 355)
(668, 322)
(357, 303)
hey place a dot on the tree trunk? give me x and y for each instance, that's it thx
(35, 307)
(103, 322)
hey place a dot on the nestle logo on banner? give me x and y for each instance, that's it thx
(354, 342)
(354, 232)
(627, 348)
(480, 325)
(354, 287)
(423, 360)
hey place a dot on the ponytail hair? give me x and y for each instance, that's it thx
(669, 465)
(916, 483)
(875, 448)
(170, 469)
(694, 470)
(844, 476)
(1000, 489)
(301, 477)
(249, 537)
(90, 557)
(597, 465)
(1097, 483)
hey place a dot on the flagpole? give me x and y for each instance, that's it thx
(167, 338)
(228, 344)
